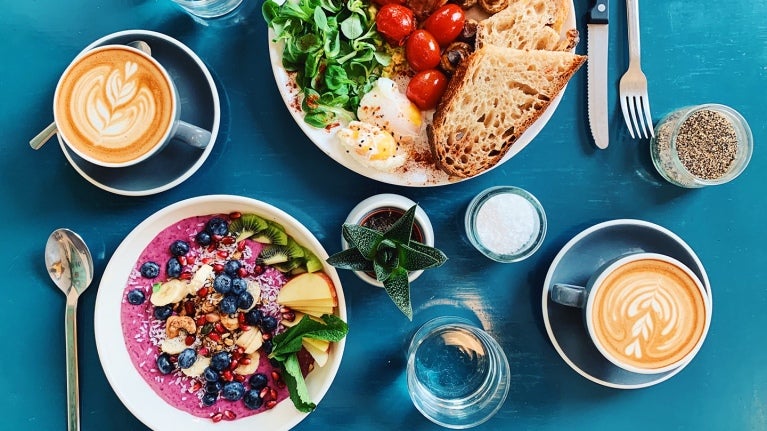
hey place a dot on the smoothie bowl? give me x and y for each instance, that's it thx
(215, 312)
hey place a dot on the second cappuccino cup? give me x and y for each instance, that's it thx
(116, 106)
(645, 312)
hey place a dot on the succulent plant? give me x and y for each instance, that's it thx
(391, 255)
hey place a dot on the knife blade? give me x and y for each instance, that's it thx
(596, 72)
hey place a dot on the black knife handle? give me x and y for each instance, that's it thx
(600, 12)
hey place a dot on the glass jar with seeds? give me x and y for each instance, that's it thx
(702, 145)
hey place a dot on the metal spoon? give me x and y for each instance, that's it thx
(47, 133)
(70, 266)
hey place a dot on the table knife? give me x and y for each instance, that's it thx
(596, 71)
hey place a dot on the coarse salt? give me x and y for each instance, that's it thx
(506, 223)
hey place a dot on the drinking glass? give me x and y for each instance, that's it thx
(457, 374)
(208, 8)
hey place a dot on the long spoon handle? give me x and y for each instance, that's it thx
(73, 391)
(43, 137)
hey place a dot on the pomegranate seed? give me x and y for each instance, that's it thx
(189, 340)
(214, 336)
(241, 246)
(264, 393)
(245, 361)
(244, 328)
(203, 351)
(240, 350)
(233, 364)
(212, 246)
(289, 316)
(202, 292)
(227, 240)
(276, 375)
(285, 309)
(216, 417)
(241, 318)
(273, 393)
(216, 238)
(270, 404)
(207, 260)
(217, 268)
(223, 254)
(200, 320)
(186, 275)
(242, 272)
(235, 215)
(239, 377)
(174, 358)
(196, 386)
(219, 328)
(236, 355)
(258, 269)
(229, 415)
(182, 260)
(227, 375)
(280, 384)
(189, 307)
(266, 336)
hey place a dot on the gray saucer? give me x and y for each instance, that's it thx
(577, 260)
(200, 106)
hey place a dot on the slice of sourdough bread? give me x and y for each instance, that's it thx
(528, 24)
(494, 96)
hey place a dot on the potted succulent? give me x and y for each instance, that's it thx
(388, 255)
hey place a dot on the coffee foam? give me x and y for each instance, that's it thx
(648, 314)
(114, 105)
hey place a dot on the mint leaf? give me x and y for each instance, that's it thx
(156, 287)
(296, 384)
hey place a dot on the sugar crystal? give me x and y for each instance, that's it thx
(506, 223)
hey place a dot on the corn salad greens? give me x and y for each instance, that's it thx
(333, 47)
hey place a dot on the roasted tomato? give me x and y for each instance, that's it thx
(395, 23)
(426, 88)
(422, 50)
(446, 23)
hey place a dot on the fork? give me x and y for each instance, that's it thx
(635, 102)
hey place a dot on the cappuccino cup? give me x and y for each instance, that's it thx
(645, 312)
(116, 106)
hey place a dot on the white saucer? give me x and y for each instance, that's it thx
(200, 105)
(577, 260)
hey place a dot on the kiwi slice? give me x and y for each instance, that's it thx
(247, 225)
(273, 254)
(313, 263)
(294, 249)
(290, 265)
(271, 235)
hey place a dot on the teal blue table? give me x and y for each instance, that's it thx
(693, 52)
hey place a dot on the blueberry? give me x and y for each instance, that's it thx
(233, 391)
(173, 267)
(209, 398)
(217, 226)
(267, 348)
(164, 365)
(222, 283)
(253, 317)
(239, 286)
(179, 248)
(232, 266)
(244, 300)
(136, 296)
(214, 387)
(252, 400)
(203, 238)
(150, 269)
(187, 357)
(228, 304)
(258, 381)
(163, 312)
(220, 361)
(268, 323)
(210, 375)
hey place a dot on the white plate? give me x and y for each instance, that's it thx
(416, 174)
(125, 380)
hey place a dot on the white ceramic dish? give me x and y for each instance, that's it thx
(125, 380)
(420, 174)
(575, 263)
(200, 105)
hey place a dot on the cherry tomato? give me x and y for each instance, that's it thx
(426, 88)
(395, 22)
(446, 23)
(422, 50)
(383, 2)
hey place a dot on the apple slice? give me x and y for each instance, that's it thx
(327, 302)
(318, 349)
(308, 286)
(317, 313)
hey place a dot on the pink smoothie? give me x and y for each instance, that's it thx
(143, 333)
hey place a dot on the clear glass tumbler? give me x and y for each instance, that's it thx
(457, 374)
(208, 8)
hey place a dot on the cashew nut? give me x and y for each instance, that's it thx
(230, 323)
(176, 323)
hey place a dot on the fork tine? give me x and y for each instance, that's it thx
(648, 115)
(625, 109)
(634, 113)
(643, 123)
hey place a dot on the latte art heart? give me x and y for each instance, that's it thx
(114, 105)
(648, 314)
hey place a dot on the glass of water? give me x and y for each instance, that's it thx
(457, 374)
(208, 8)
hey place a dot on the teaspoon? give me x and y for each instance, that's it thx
(70, 266)
(47, 133)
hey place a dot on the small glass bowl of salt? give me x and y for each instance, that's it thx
(505, 223)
